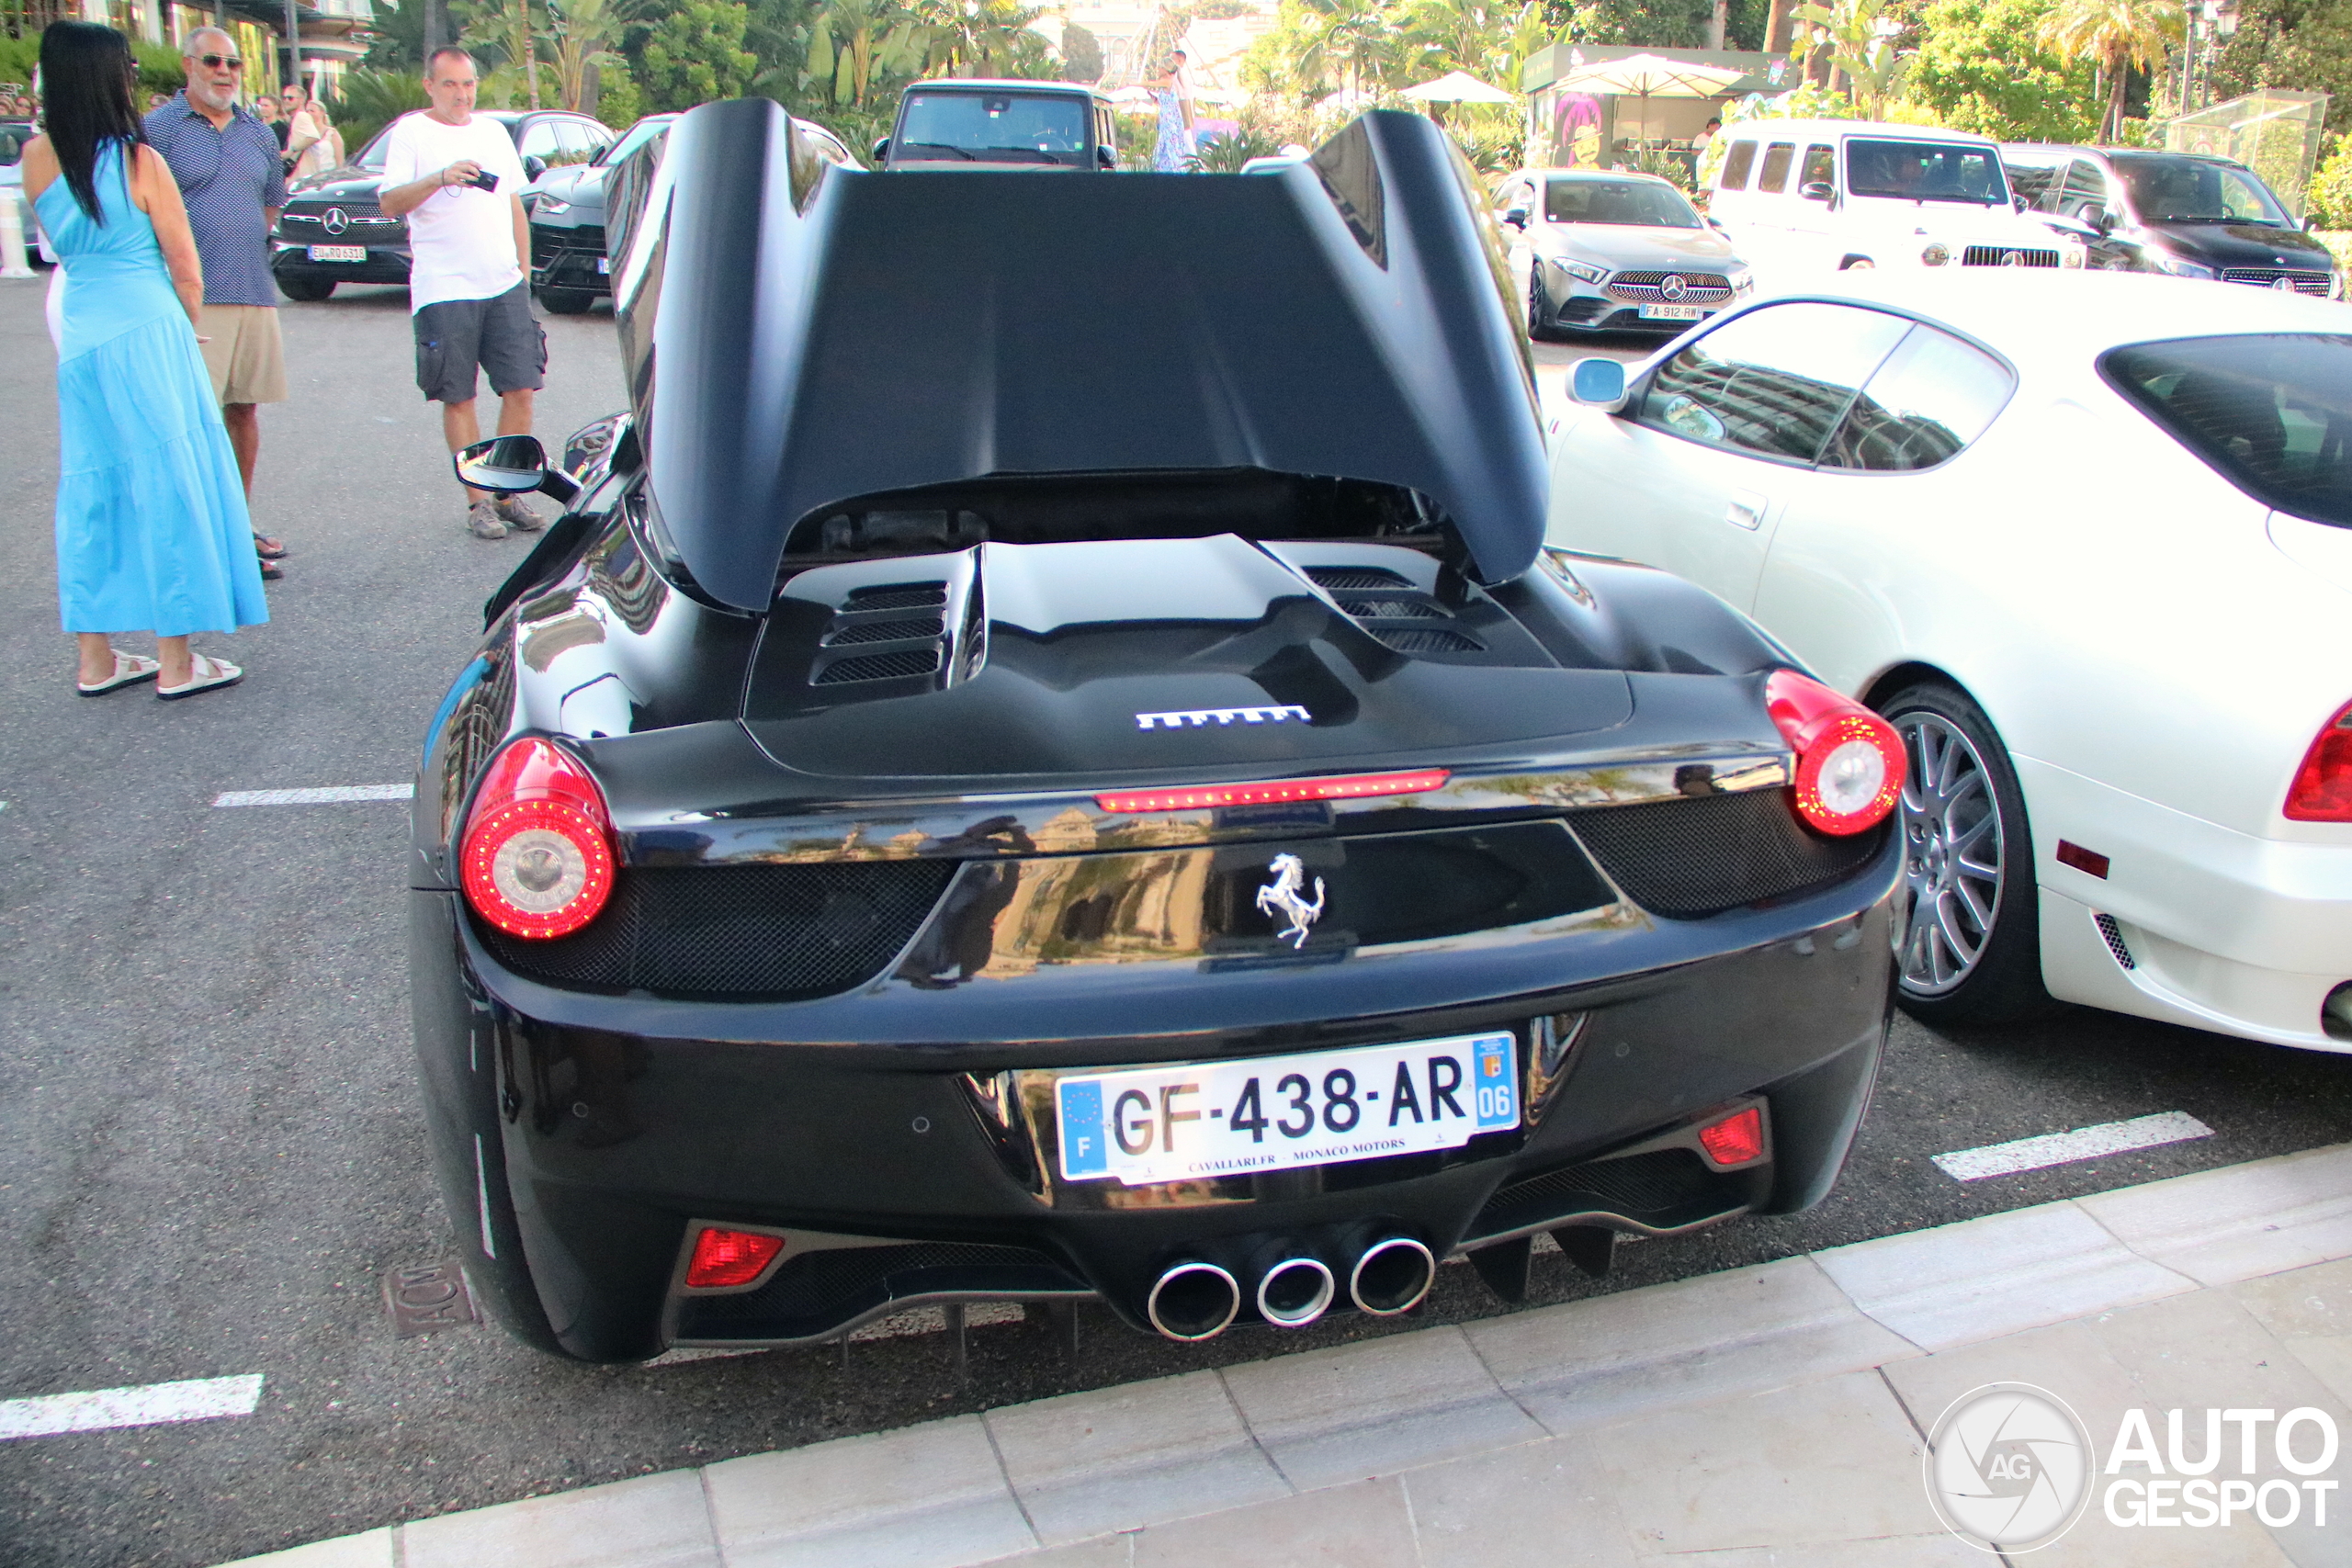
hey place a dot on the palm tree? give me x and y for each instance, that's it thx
(851, 39)
(2120, 35)
(1353, 39)
(583, 32)
(984, 38)
(514, 27)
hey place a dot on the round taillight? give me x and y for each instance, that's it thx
(1849, 760)
(537, 857)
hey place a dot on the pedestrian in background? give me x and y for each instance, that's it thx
(306, 126)
(225, 163)
(1175, 151)
(455, 176)
(265, 110)
(320, 143)
(151, 529)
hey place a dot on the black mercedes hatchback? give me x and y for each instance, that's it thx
(987, 795)
(2173, 212)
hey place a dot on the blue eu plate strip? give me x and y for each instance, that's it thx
(1083, 1153)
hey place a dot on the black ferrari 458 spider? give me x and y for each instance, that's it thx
(1046, 761)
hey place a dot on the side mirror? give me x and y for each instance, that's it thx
(881, 148)
(1598, 383)
(1516, 218)
(1818, 191)
(1717, 225)
(513, 465)
(534, 166)
(2311, 225)
(2099, 218)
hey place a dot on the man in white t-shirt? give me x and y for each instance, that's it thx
(454, 176)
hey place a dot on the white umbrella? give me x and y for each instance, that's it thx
(1459, 87)
(1133, 95)
(1648, 77)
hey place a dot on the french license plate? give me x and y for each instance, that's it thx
(339, 252)
(603, 266)
(1671, 312)
(1280, 1113)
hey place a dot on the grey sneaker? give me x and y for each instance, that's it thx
(483, 518)
(517, 516)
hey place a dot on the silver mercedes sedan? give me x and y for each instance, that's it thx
(1613, 251)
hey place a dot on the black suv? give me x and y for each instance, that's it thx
(567, 263)
(333, 232)
(2183, 213)
(981, 124)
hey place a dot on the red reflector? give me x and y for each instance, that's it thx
(1851, 763)
(2323, 788)
(2089, 862)
(1735, 1140)
(1200, 798)
(731, 1257)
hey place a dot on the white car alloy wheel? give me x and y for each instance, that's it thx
(1952, 854)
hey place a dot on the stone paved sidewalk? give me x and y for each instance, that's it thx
(1766, 1415)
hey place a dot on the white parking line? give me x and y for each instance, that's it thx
(199, 1399)
(330, 795)
(2083, 1143)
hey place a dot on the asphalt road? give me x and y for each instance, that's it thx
(209, 1146)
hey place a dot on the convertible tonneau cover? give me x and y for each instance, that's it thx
(796, 333)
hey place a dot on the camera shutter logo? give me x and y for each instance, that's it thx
(336, 221)
(2008, 1467)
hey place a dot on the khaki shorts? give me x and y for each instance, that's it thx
(246, 356)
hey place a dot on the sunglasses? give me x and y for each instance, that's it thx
(215, 61)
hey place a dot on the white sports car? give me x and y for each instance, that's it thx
(2089, 545)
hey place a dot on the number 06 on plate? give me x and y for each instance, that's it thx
(1216, 1119)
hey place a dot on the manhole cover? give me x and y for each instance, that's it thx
(422, 1297)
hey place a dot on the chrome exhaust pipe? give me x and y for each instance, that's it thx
(1392, 1277)
(1194, 1301)
(1296, 1291)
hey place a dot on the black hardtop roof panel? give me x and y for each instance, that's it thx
(795, 335)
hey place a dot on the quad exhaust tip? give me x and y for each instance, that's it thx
(1296, 1291)
(1392, 1277)
(1194, 1301)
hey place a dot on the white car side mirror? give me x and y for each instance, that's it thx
(1598, 383)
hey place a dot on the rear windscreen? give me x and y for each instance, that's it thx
(2272, 412)
(993, 128)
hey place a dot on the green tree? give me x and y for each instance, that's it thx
(1859, 47)
(1081, 53)
(2119, 36)
(371, 100)
(1664, 24)
(1981, 67)
(981, 37)
(695, 55)
(583, 34)
(852, 41)
(514, 29)
(2301, 44)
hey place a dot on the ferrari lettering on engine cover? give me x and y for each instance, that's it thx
(1199, 716)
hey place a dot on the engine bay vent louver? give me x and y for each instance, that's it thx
(891, 643)
(1386, 604)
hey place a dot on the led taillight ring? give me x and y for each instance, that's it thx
(536, 868)
(1826, 754)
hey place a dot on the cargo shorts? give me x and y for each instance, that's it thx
(456, 337)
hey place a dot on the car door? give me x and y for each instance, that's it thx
(2085, 195)
(1813, 238)
(1767, 207)
(1860, 533)
(1693, 475)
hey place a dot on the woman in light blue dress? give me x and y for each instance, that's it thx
(1175, 152)
(151, 529)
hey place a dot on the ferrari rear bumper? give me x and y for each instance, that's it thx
(584, 1140)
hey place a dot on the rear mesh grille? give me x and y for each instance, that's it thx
(1414, 639)
(775, 932)
(820, 1290)
(1357, 577)
(880, 666)
(1687, 857)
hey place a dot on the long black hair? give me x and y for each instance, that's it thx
(85, 75)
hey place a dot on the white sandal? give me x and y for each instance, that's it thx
(130, 669)
(205, 674)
